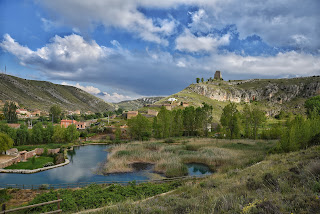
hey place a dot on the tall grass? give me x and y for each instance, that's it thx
(170, 159)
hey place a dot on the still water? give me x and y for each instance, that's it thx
(84, 160)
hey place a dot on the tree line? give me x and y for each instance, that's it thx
(40, 134)
(190, 121)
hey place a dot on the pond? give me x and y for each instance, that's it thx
(84, 161)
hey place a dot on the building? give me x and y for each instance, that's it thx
(21, 111)
(36, 113)
(81, 125)
(77, 112)
(184, 104)
(66, 123)
(14, 125)
(172, 99)
(217, 75)
(131, 114)
(152, 112)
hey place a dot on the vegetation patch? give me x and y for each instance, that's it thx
(32, 163)
(171, 159)
(94, 196)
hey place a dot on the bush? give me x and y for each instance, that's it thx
(169, 140)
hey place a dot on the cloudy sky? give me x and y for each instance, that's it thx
(126, 49)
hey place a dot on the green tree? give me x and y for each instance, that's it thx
(118, 133)
(202, 80)
(48, 133)
(9, 112)
(58, 134)
(312, 104)
(22, 135)
(230, 120)
(5, 142)
(71, 133)
(37, 134)
(140, 127)
(258, 118)
(177, 129)
(198, 80)
(189, 120)
(55, 113)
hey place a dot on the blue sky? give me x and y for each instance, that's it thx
(120, 50)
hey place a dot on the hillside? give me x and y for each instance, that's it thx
(273, 95)
(41, 95)
(138, 103)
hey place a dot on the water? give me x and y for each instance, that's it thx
(196, 169)
(84, 160)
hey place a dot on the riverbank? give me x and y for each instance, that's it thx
(171, 158)
(28, 171)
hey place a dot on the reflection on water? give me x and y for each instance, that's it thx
(83, 162)
(198, 169)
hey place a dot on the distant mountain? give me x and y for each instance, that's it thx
(272, 95)
(41, 95)
(138, 103)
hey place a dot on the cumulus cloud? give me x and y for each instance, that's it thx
(275, 21)
(150, 72)
(191, 43)
(115, 97)
(113, 13)
(90, 89)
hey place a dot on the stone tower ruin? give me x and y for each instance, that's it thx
(217, 75)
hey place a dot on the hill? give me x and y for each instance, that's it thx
(42, 95)
(138, 103)
(272, 95)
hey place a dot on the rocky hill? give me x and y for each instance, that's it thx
(138, 103)
(272, 95)
(41, 95)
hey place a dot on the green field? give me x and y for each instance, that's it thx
(39, 162)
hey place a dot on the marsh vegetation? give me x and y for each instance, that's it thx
(170, 157)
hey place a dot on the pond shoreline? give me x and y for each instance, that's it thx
(31, 171)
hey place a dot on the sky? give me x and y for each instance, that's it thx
(122, 50)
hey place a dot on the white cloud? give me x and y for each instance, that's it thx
(200, 22)
(113, 13)
(90, 89)
(152, 72)
(191, 43)
(115, 97)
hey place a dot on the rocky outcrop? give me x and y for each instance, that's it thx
(276, 91)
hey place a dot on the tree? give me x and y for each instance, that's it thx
(202, 80)
(9, 112)
(71, 133)
(230, 119)
(139, 127)
(58, 134)
(189, 120)
(5, 142)
(48, 133)
(22, 135)
(198, 80)
(253, 118)
(55, 113)
(258, 118)
(37, 134)
(312, 104)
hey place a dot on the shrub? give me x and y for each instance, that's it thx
(43, 187)
(169, 140)
(252, 184)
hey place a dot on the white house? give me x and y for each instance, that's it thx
(172, 99)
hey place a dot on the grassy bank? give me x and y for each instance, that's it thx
(282, 183)
(170, 158)
(38, 163)
(95, 196)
